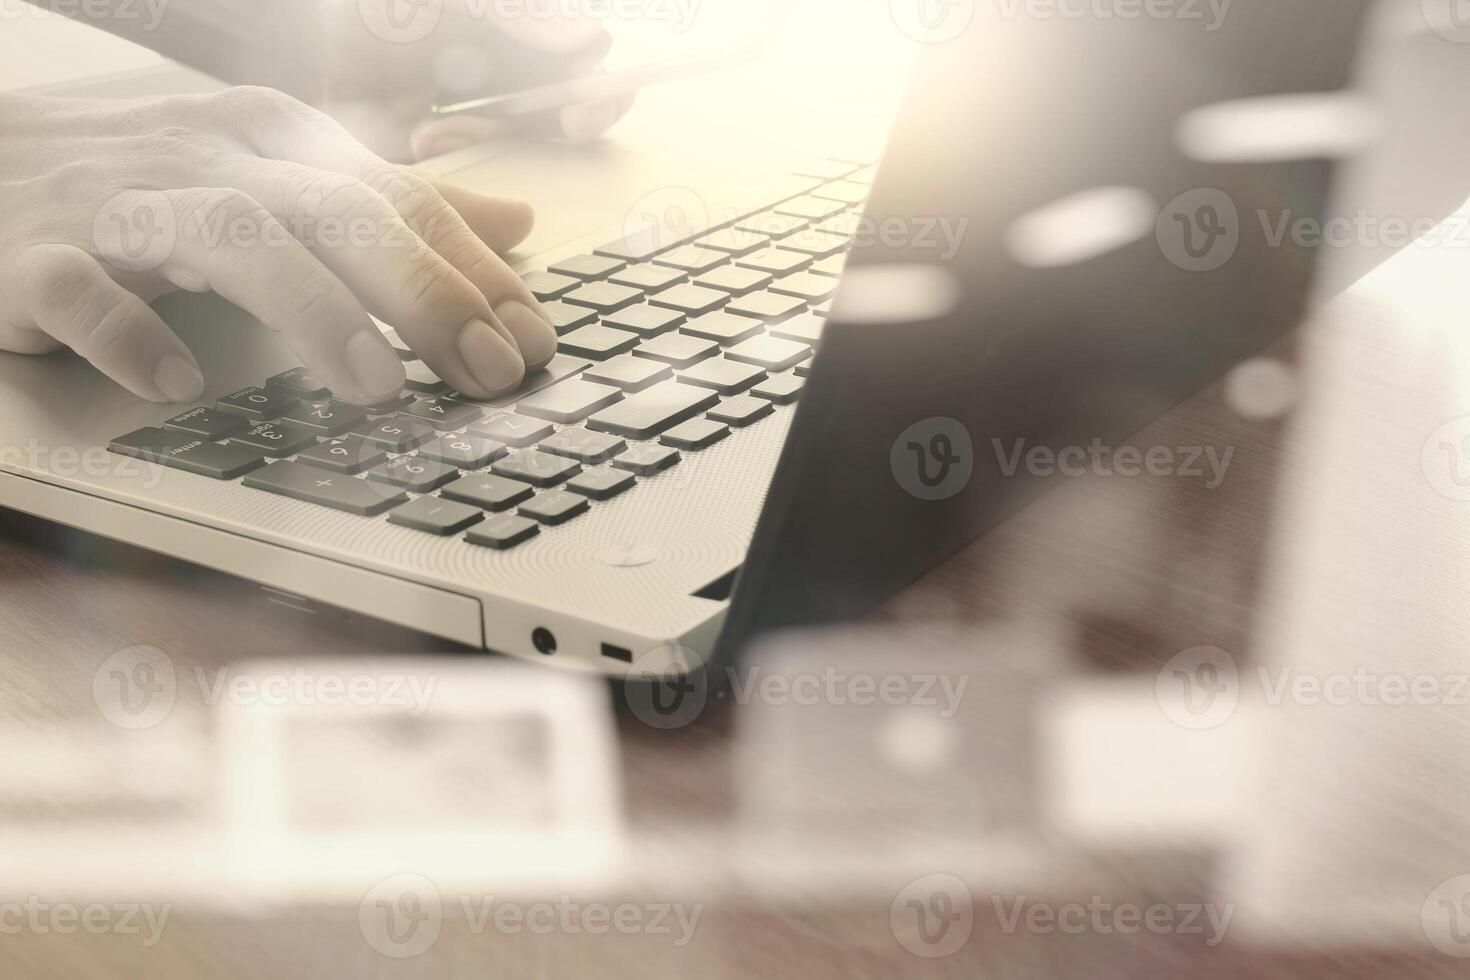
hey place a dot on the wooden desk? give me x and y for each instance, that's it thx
(1136, 569)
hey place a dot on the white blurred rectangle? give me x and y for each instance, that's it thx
(471, 773)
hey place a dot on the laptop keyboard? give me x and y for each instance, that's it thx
(663, 351)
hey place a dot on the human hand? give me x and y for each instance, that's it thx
(271, 204)
(388, 61)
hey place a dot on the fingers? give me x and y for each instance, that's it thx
(359, 236)
(502, 223)
(225, 241)
(517, 316)
(585, 123)
(67, 294)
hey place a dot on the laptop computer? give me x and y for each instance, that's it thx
(719, 447)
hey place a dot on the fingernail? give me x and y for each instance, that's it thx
(531, 329)
(491, 359)
(374, 366)
(177, 379)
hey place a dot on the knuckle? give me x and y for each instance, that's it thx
(61, 275)
(427, 283)
(336, 195)
(311, 292)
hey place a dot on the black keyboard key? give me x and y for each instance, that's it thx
(691, 300)
(326, 418)
(629, 373)
(809, 208)
(723, 328)
(413, 473)
(560, 367)
(649, 278)
(804, 329)
(832, 265)
(436, 516)
(725, 376)
(583, 445)
(783, 389)
(513, 430)
(210, 423)
(391, 405)
(443, 414)
(692, 259)
(742, 410)
(302, 482)
(807, 286)
(648, 413)
(604, 297)
(189, 453)
(776, 261)
(695, 434)
(502, 533)
(257, 403)
(566, 317)
(677, 349)
(587, 266)
(488, 492)
(570, 401)
(463, 452)
(399, 345)
(735, 280)
(536, 468)
(547, 286)
(771, 353)
(555, 507)
(602, 483)
(422, 379)
(770, 224)
(598, 342)
(733, 241)
(817, 244)
(350, 455)
(301, 383)
(844, 192)
(633, 248)
(397, 434)
(645, 320)
(767, 306)
(276, 438)
(647, 460)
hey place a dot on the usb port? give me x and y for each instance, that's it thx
(617, 653)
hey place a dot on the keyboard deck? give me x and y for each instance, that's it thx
(663, 350)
